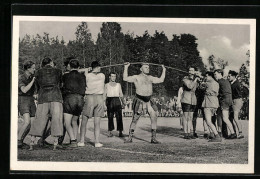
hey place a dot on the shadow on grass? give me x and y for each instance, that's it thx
(170, 131)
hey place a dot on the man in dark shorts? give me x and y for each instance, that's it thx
(74, 86)
(48, 81)
(237, 101)
(225, 101)
(199, 93)
(26, 105)
(189, 101)
(142, 102)
(113, 99)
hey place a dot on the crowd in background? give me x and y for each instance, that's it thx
(167, 107)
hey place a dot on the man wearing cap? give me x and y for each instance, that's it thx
(225, 101)
(142, 102)
(94, 102)
(48, 81)
(26, 105)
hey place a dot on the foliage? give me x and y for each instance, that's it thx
(114, 47)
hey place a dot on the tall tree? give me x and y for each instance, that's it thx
(83, 47)
(110, 47)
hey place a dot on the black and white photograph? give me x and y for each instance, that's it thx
(123, 94)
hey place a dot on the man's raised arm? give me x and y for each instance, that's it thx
(161, 79)
(85, 70)
(127, 78)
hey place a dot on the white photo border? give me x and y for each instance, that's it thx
(16, 165)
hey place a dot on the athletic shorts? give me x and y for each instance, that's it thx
(26, 105)
(141, 107)
(94, 105)
(188, 107)
(211, 111)
(73, 104)
(237, 104)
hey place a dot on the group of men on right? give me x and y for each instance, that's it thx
(220, 101)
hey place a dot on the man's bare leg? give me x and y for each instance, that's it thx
(185, 124)
(75, 125)
(153, 117)
(132, 127)
(238, 125)
(97, 131)
(67, 120)
(190, 125)
(225, 114)
(83, 129)
(24, 130)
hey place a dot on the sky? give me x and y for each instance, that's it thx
(227, 41)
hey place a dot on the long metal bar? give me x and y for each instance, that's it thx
(155, 64)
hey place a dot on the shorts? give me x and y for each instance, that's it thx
(73, 104)
(26, 105)
(141, 107)
(224, 105)
(188, 107)
(211, 111)
(94, 105)
(237, 104)
(43, 112)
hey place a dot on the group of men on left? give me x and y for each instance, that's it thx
(61, 98)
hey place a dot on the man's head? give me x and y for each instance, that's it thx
(198, 72)
(209, 75)
(66, 63)
(112, 76)
(192, 70)
(145, 68)
(47, 61)
(95, 66)
(29, 66)
(73, 64)
(232, 75)
(218, 74)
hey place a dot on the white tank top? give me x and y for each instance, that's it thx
(113, 91)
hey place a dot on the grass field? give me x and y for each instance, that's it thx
(173, 149)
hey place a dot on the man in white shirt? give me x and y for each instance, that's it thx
(94, 103)
(142, 102)
(113, 97)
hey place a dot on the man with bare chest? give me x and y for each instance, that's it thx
(142, 102)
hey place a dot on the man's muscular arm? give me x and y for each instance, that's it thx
(127, 78)
(161, 79)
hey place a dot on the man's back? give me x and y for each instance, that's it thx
(74, 83)
(48, 80)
